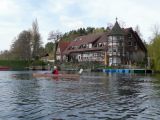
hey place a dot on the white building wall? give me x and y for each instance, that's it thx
(58, 57)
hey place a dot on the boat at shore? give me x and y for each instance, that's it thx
(4, 68)
(72, 76)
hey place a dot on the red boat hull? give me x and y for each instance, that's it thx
(3, 68)
(59, 75)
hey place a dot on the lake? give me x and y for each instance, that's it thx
(95, 96)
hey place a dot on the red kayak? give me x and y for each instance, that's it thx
(4, 68)
(53, 75)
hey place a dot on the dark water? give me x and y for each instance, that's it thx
(94, 96)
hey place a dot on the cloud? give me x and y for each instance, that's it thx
(66, 15)
(71, 23)
(8, 7)
(60, 6)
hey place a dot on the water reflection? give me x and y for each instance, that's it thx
(93, 96)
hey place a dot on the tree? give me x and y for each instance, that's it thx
(154, 49)
(138, 56)
(81, 31)
(21, 48)
(36, 39)
(49, 47)
(5, 55)
(155, 30)
(90, 30)
(55, 36)
(99, 30)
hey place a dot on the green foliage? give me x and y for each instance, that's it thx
(71, 35)
(15, 64)
(154, 50)
(49, 47)
(84, 65)
(21, 64)
(37, 63)
(21, 48)
(36, 39)
(26, 46)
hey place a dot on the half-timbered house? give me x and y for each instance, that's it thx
(119, 46)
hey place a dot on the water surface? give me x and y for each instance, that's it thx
(92, 97)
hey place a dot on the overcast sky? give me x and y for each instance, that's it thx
(66, 15)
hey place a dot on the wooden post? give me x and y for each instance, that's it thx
(105, 59)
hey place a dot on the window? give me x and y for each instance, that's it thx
(110, 50)
(100, 44)
(90, 45)
(87, 46)
(114, 38)
(135, 45)
(110, 38)
(95, 45)
(129, 43)
(84, 46)
(95, 54)
(114, 50)
(121, 37)
(129, 35)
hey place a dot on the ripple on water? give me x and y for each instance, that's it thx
(94, 96)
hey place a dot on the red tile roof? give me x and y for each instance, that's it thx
(91, 38)
(63, 45)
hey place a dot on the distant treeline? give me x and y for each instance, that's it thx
(69, 36)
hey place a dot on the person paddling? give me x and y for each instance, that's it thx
(55, 71)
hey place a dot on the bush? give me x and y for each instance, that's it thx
(20, 64)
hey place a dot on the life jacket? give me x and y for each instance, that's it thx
(55, 72)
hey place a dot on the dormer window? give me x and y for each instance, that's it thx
(90, 45)
(87, 46)
(84, 46)
(100, 44)
(71, 47)
(95, 45)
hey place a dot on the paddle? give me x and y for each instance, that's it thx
(80, 71)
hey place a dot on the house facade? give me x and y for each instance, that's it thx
(119, 46)
(60, 50)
